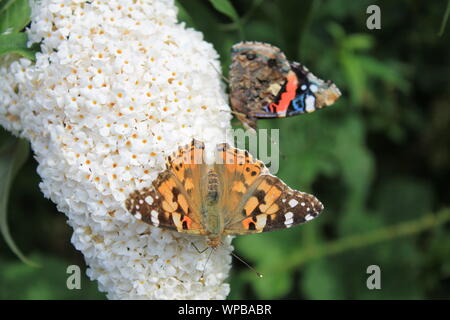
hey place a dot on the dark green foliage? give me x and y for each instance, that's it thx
(378, 159)
(20, 281)
(13, 154)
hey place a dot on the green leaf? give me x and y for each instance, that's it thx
(13, 155)
(319, 281)
(183, 15)
(386, 71)
(225, 7)
(358, 41)
(203, 19)
(17, 43)
(14, 15)
(273, 286)
(356, 77)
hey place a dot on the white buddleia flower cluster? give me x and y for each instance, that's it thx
(117, 87)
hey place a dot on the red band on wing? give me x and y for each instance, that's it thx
(288, 95)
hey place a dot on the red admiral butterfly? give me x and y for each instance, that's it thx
(264, 84)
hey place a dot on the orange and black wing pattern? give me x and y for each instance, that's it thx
(255, 201)
(173, 200)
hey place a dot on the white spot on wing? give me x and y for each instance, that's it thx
(155, 220)
(293, 203)
(313, 88)
(261, 221)
(310, 101)
(308, 217)
(289, 219)
(149, 200)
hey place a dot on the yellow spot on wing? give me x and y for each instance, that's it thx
(251, 204)
(273, 209)
(165, 189)
(189, 185)
(183, 203)
(272, 194)
(176, 220)
(169, 207)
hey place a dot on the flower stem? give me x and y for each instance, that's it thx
(403, 229)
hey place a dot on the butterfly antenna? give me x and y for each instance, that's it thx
(249, 266)
(202, 277)
(220, 74)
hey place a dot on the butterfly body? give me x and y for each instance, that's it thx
(210, 214)
(234, 195)
(265, 84)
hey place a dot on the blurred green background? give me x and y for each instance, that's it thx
(378, 159)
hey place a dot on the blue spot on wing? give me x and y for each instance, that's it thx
(268, 113)
(299, 103)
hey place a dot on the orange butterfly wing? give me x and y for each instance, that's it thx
(173, 200)
(254, 200)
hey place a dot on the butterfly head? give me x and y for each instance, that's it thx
(214, 242)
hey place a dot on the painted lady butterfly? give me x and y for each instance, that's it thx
(234, 195)
(264, 84)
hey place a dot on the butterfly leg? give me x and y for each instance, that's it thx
(236, 113)
(202, 277)
(199, 251)
(248, 121)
